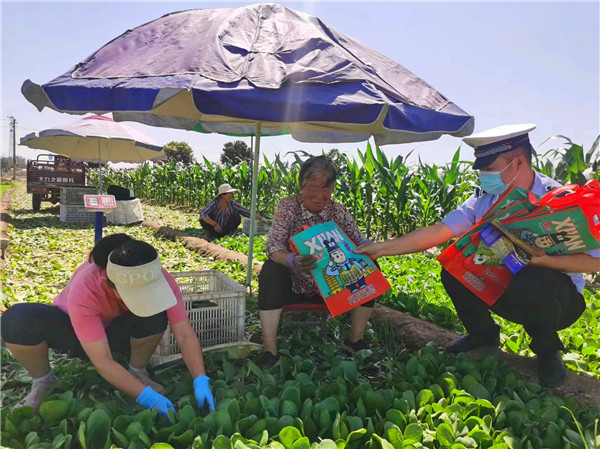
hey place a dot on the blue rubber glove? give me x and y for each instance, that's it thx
(203, 394)
(151, 399)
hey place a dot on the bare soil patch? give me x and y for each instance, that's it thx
(5, 217)
(202, 246)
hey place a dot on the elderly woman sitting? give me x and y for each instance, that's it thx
(285, 277)
(222, 216)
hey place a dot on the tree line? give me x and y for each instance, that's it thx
(233, 153)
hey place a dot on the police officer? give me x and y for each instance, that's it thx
(545, 296)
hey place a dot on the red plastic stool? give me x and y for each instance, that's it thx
(295, 309)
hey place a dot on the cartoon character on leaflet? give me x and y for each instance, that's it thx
(542, 241)
(349, 271)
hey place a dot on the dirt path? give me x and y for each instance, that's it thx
(202, 246)
(5, 217)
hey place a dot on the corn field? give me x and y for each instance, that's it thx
(387, 196)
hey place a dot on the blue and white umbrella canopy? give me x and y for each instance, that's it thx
(261, 69)
(224, 70)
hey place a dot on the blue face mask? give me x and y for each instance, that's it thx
(491, 181)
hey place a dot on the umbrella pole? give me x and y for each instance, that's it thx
(99, 168)
(253, 206)
(99, 215)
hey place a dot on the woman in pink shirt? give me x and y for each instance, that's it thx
(120, 300)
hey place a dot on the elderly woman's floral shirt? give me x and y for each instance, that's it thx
(291, 216)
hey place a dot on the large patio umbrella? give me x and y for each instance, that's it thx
(261, 69)
(96, 139)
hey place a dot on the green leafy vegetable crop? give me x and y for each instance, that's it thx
(317, 397)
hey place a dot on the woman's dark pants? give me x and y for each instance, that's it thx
(541, 299)
(31, 324)
(275, 288)
(228, 229)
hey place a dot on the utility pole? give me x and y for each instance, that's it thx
(13, 137)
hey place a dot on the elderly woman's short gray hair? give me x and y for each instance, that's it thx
(318, 165)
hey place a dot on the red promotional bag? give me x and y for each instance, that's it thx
(488, 282)
(569, 195)
(571, 211)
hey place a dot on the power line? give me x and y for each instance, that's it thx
(25, 127)
(19, 127)
(13, 133)
(28, 125)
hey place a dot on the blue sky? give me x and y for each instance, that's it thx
(501, 62)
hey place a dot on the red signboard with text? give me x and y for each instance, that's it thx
(99, 203)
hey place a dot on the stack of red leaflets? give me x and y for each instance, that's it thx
(564, 221)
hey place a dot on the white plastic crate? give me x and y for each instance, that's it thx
(261, 227)
(216, 308)
(73, 196)
(75, 214)
(127, 212)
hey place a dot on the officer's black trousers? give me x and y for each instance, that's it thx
(541, 299)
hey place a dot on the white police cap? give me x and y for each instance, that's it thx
(493, 142)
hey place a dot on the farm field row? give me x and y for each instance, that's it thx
(387, 397)
(417, 289)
